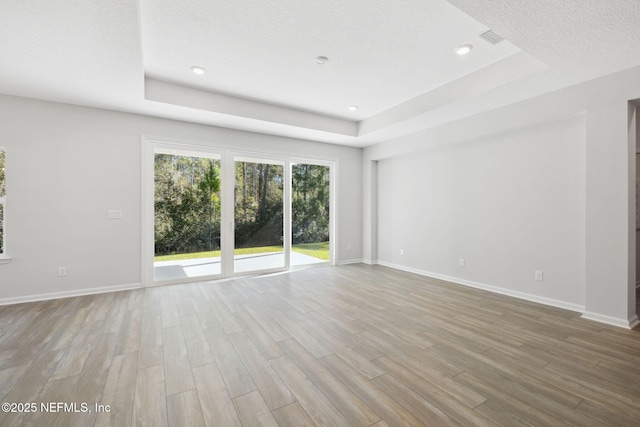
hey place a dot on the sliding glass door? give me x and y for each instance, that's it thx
(310, 213)
(258, 215)
(186, 215)
(218, 213)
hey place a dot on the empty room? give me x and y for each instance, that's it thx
(336, 213)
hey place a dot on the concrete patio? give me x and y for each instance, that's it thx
(199, 267)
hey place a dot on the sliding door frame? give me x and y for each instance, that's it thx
(150, 149)
(332, 165)
(242, 156)
(227, 154)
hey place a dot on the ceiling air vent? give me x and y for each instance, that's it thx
(491, 37)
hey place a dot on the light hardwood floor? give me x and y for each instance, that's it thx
(335, 346)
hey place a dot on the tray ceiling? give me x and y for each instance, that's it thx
(394, 60)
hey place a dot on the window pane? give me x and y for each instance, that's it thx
(2, 190)
(1, 228)
(310, 186)
(259, 213)
(2, 195)
(187, 217)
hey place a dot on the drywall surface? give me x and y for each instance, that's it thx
(508, 205)
(68, 165)
(610, 213)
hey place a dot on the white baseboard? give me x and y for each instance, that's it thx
(614, 321)
(516, 294)
(68, 294)
(633, 321)
(352, 261)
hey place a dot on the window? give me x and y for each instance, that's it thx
(3, 203)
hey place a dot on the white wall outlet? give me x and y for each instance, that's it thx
(348, 247)
(114, 214)
(539, 276)
(461, 262)
(62, 271)
(401, 252)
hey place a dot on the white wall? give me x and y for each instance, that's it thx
(605, 287)
(508, 204)
(610, 215)
(66, 165)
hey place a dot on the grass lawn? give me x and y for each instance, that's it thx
(317, 250)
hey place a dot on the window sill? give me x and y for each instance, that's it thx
(5, 259)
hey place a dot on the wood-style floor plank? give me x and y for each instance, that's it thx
(150, 401)
(197, 345)
(351, 345)
(253, 410)
(184, 410)
(177, 370)
(348, 403)
(235, 374)
(314, 402)
(215, 402)
(9, 377)
(389, 409)
(33, 380)
(292, 415)
(151, 351)
(129, 336)
(54, 391)
(273, 390)
(431, 384)
(75, 355)
(119, 391)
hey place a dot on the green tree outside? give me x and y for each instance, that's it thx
(187, 205)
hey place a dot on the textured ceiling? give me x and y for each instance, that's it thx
(393, 59)
(585, 35)
(380, 53)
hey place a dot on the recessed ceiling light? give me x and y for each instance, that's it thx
(353, 107)
(464, 49)
(198, 70)
(321, 60)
